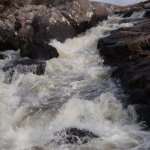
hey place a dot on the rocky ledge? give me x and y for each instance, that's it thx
(30, 25)
(127, 50)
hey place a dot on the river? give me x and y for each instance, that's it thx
(75, 91)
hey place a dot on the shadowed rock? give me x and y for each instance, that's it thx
(51, 24)
(33, 24)
(128, 50)
(7, 35)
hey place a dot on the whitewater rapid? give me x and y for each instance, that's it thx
(75, 91)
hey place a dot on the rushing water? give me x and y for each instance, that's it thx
(76, 91)
(138, 14)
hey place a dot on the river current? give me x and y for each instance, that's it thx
(75, 91)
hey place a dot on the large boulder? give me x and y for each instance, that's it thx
(100, 12)
(38, 29)
(79, 14)
(143, 114)
(135, 78)
(7, 35)
(127, 43)
(51, 24)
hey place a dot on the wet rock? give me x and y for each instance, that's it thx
(147, 14)
(128, 51)
(33, 24)
(74, 136)
(135, 78)
(7, 35)
(78, 13)
(82, 14)
(51, 24)
(2, 56)
(39, 50)
(131, 20)
(35, 47)
(23, 66)
(143, 114)
(38, 28)
(127, 43)
(100, 12)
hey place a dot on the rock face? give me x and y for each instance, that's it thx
(31, 24)
(7, 35)
(100, 11)
(128, 49)
(74, 136)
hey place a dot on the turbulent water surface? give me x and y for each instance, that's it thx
(76, 91)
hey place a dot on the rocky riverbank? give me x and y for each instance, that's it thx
(127, 50)
(30, 25)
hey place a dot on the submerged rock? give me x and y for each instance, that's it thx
(23, 66)
(74, 136)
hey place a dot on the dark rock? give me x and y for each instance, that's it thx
(82, 14)
(78, 13)
(127, 11)
(135, 78)
(41, 51)
(23, 66)
(51, 24)
(100, 13)
(127, 43)
(37, 148)
(7, 35)
(34, 47)
(128, 51)
(143, 114)
(147, 14)
(30, 25)
(74, 136)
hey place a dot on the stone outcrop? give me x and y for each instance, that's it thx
(30, 25)
(128, 51)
